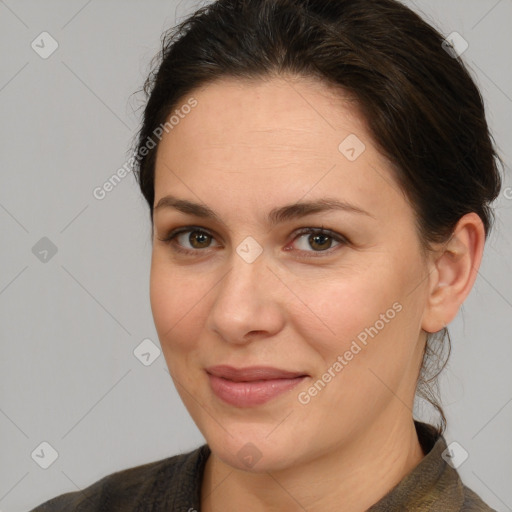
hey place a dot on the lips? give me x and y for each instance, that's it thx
(252, 386)
(250, 374)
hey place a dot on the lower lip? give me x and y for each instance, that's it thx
(249, 394)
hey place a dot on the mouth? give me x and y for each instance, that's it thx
(251, 386)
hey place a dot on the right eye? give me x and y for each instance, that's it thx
(197, 239)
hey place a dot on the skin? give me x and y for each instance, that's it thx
(249, 147)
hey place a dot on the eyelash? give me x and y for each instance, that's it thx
(169, 239)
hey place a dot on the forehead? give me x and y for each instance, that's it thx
(284, 107)
(272, 137)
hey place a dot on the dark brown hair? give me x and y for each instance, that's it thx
(421, 104)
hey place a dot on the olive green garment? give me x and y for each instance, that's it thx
(174, 484)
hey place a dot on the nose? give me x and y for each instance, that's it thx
(248, 304)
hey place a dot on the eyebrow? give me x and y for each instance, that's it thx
(276, 216)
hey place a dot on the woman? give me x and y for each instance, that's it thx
(319, 176)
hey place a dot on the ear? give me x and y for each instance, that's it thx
(453, 270)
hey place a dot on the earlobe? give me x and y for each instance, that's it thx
(454, 271)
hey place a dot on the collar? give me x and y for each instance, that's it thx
(432, 486)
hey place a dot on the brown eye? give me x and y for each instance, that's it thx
(199, 239)
(189, 240)
(318, 240)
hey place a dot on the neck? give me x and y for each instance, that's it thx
(356, 476)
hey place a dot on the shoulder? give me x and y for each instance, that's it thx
(139, 485)
(473, 502)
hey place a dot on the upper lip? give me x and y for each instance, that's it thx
(252, 373)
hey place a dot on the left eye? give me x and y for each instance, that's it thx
(320, 240)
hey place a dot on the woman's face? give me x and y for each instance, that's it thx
(249, 286)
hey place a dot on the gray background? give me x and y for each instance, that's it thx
(69, 325)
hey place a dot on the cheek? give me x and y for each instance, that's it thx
(338, 308)
(366, 314)
(177, 300)
(370, 347)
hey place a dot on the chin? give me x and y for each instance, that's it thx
(254, 453)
